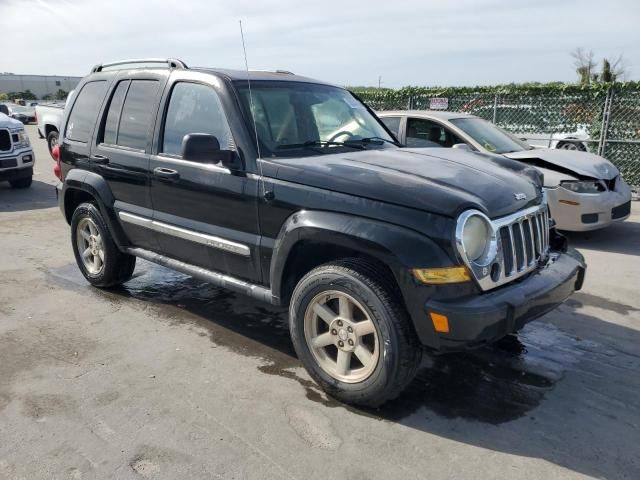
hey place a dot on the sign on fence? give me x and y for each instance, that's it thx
(438, 103)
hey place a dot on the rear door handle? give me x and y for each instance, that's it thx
(166, 173)
(99, 159)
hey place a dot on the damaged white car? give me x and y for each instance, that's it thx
(585, 191)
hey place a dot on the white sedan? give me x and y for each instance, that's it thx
(585, 191)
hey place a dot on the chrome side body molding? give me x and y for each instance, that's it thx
(193, 236)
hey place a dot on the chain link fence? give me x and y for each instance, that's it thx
(604, 121)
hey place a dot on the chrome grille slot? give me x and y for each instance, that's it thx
(537, 232)
(518, 245)
(509, 255)
(528, 241)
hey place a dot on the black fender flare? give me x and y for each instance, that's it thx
(96, 186)
(397, 247)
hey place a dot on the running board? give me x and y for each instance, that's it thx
(218, 279)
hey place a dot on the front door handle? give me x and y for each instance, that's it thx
(99, 159)
(167, 173)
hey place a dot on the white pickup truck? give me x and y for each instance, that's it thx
(16, 155)
(49, 118)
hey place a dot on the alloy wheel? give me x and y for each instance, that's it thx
(90, 246)
(341, 336)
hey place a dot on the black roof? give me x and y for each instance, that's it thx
(258, 75)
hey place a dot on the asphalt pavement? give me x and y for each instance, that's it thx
(168, 377)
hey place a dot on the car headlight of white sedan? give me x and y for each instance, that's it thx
(587, 186)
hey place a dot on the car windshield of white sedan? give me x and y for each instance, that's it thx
(305, 119)
(489, 136)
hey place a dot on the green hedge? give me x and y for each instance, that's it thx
(555, 88)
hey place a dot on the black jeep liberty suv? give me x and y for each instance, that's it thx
(291, 191)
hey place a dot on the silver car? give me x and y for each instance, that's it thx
(585, 191)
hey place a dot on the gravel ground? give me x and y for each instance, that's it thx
(168, 377)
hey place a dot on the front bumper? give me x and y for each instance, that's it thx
(12, 174)
(487, 317)
(17, 164)
(593, 211)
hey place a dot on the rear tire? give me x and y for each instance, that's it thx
(339, 346)
(52, 139)
(570, 145)
(98, 257)
(21, 183)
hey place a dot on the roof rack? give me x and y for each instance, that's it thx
(284, 72)
(170, 62)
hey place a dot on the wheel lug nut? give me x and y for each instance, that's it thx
(349, 329)
(334, 331)
(341, 343)
(339, 323)
(351, 342)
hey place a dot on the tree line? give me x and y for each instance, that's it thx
(29, 95)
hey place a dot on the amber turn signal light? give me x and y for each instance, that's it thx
(440, 322)
(438, 276)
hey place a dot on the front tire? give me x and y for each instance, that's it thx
(352, 333)
(21, 183)
(97, 256)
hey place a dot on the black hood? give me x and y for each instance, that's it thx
(437, 180)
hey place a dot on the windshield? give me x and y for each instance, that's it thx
(489, 136)
(305, 119)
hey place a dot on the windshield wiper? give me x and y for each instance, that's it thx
(373, 140)
(318, 143)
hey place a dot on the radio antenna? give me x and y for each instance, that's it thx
(253, 118)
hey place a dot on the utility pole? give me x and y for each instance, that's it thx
(379, 80)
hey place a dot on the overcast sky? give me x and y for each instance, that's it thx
(414, 42)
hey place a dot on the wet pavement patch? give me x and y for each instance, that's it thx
(493, 384)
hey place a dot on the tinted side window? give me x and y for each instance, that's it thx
(113, 115)
(85, 109)
(137, 114)
(194, 108)
(392, 123)
(424, 133)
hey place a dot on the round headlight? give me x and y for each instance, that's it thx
(475, 237)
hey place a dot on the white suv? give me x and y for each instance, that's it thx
(16, 155)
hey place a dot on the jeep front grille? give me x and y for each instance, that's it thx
(524, 241)
(5, 140)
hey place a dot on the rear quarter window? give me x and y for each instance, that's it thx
(85, 111)
(110, 135)
(137, 114)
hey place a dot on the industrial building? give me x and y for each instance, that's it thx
(39, 85)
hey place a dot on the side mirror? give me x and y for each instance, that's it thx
(462, 146)
(205, 148)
